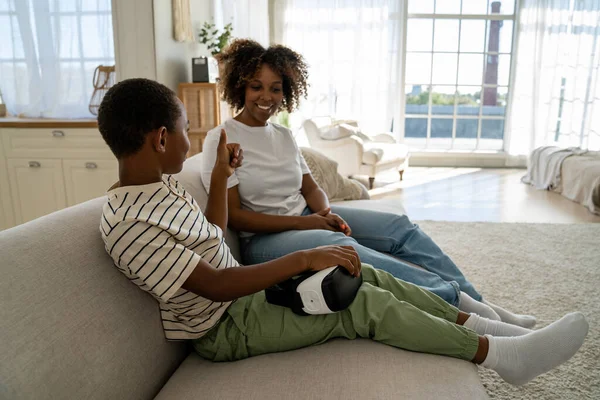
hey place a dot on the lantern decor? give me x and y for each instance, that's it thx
(104, 78)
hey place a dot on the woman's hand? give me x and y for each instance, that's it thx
(342, 226)
(319, 220)
(327, 220)
(330, 256)
(229, 156)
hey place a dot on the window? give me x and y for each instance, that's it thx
(50, 49)
(457, 73)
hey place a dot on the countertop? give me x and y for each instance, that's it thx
(14, 122)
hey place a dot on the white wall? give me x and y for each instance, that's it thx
(174, 59)
(134, 39)
(144, 44)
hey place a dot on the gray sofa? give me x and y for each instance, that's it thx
(73, 327)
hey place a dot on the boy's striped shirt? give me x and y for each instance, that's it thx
(156, 234)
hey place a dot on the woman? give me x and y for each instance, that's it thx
(277, 206)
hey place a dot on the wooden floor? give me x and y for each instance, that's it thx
(475, 194)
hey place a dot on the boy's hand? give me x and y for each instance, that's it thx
(330, 256)
(229, 156)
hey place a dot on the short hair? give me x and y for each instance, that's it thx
(133, 108)
(242, 59)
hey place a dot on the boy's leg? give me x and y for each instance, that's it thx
(433, 305)
(253, 327)
(378, 314)
(412, 294)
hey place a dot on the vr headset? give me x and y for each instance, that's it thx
(324, 292)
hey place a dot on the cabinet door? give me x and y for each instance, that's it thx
(6, 209)
(6, 213)
(201, 100)
(88, 179)
(37, 187)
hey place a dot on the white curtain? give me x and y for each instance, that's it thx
(556, 99)
(353, 51)
(49, 52)
(249, 18)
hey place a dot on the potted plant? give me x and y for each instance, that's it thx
(215, 41)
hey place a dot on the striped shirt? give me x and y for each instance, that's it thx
(156, 234)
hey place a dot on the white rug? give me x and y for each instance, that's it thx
(546, 270)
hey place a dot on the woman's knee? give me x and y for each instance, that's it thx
(338, 239)
(401, 220)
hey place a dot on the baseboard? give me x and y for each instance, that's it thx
(481, 159)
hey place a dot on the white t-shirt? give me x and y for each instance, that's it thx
(156, 234)
(270, 178)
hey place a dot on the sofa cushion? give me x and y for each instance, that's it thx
(325, 172)
(339, 369)
(335, 132)
(71, 325)
(382, 153)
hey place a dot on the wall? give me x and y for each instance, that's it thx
(174, 59)
(134, 39)
(144, 44)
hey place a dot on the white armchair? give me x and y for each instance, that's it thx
(355, 152)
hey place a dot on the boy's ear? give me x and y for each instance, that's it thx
(159, 139)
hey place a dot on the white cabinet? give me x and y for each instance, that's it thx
(88, 179)
(37, 187)
(45, 166)
(7, 218)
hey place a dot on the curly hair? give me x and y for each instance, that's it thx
(243, 58)
(132, 108)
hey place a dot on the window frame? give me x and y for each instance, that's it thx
(400, 127)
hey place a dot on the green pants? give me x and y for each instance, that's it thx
(387, 310)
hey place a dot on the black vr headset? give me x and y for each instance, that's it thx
(330, 290)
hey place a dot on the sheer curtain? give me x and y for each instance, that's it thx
(353, 50)
(249, 18)
(49, 52)
(556, 99)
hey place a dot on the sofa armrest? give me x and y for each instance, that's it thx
(350, 122)
(384, 138)
(347, 152)
(353, 140)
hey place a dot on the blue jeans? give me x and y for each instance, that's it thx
(382, 240)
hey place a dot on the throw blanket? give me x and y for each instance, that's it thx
(337, 187)
(545, 165)
(581, 180)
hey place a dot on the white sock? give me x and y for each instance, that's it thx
(471, 306)
(520, 359)
(526, 321)
(484, 326)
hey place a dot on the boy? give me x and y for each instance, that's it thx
(159, 238)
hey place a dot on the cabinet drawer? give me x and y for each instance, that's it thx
(88, 178)
(54, 143)
(37, 187)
